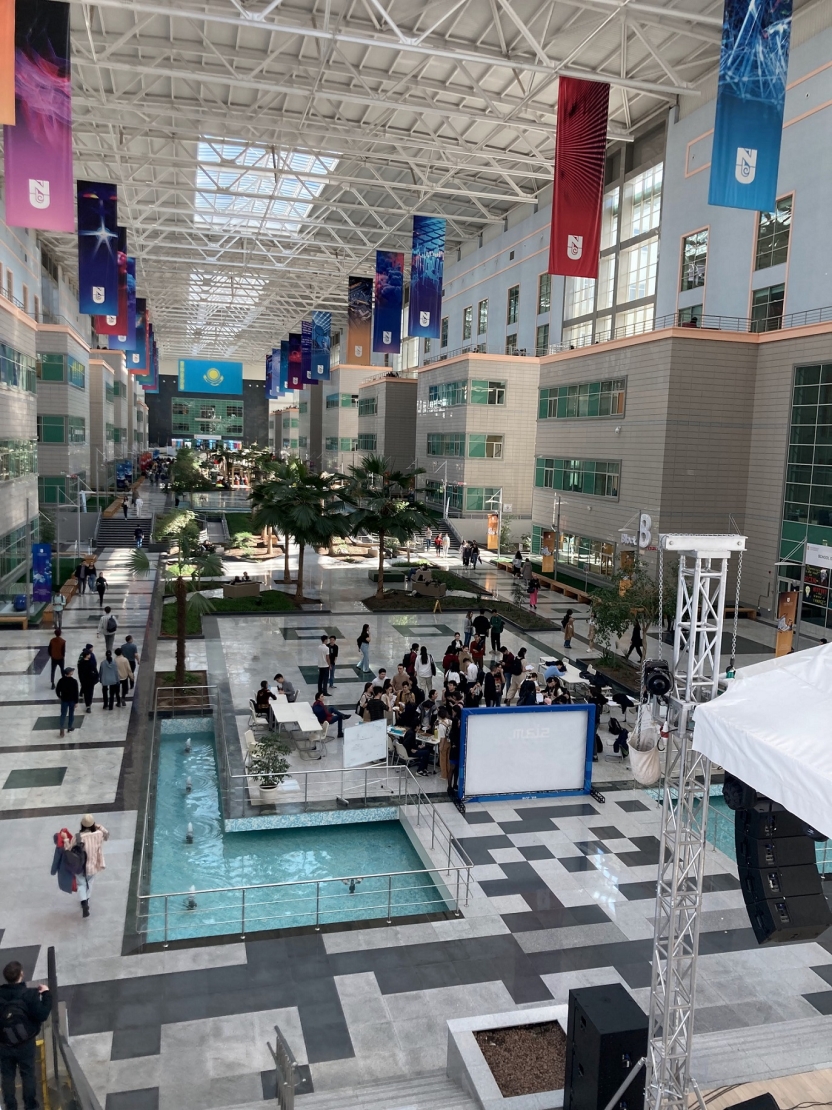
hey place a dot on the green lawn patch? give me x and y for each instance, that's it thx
(238, 522)
(269, 601)
(399, 601)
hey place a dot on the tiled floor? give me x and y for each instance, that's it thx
(563, 895)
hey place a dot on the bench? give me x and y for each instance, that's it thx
(241, 589)
(572, 592)
(744, 611)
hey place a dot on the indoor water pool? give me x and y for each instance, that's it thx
(311, 862)
(720, 832)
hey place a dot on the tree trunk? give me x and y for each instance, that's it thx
(286, 576)
(299, 590)
(270, 537)
(181, 592)
(380, 587)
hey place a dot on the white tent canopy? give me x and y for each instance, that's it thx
(773, 729)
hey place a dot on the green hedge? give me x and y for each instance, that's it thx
(269, 601)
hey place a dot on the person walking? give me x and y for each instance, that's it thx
(81, 578)
(322, 657)
(468, 626)
(517, 672)
(67, 691)
(57, 655)
(131, 653)
(425, 669)
(22, 1012)
(533, 589)
(101, 585)
(465, 553)
(90, 577)
(91, 838)
(107, 627)
(568, 625)
(333, 660)
(138, 535)
(108, 677)
(124, 507)
(497, 626)
(125, 676)
(437, 543)
(87, 675)
(363, 642)
(526, 572)
(636, 643)
(517, 563)
(428, 538)
(475, 554)
(446, 545)
(493, 686)
(591, 630)
(139, 502)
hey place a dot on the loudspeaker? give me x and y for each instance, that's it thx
(760, 1102)
(606, 1036)
(779, 877)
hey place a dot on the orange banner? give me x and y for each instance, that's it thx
(359, 321)
(547, 552)
(493, 531)
(7, 62)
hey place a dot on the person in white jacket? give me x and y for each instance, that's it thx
(425, 670)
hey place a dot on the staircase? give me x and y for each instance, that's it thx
(431, 1091)
(118, 532)
(442, 527)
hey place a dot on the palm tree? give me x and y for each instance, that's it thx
(304, 505)
(383, 505)
(268, 508)
(182, 527)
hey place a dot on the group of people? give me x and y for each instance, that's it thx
(88, 578)
(441, 542)
(522, 568)
(116, 672)
(470, 554)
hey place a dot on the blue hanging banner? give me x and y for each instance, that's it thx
(269, 377)
(749, 104)
(321, 345)
(137, 357)
(387, 318)
(284, 365)
(306, 353)
(205, 375)
(127, 341)
(97, 248)
(427, 265)
(41, 573)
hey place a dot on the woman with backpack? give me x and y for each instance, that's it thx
(363, 643)
(91, 839)
(108, 676)
(425, 670)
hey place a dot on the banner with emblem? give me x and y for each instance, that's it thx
(306, 352)
(117, 324)
(137, 357)
(284, 365)
(295, 375)
(749, 104)
(359, 321)
(389, 299)
(321, 345)
(580, 149)
(97, 248)
(427, 265)
(37, 150)
(7, 61)
(126, 341)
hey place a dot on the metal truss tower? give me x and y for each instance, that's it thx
(700, 608)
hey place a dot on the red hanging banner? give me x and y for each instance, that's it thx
(7, 113)
(580, 147)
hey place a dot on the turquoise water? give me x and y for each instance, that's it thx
(217, 859)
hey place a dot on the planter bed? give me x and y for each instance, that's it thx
(268, 601)
(397, 601)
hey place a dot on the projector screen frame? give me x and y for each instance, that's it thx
(587, 708)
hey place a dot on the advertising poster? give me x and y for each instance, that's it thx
(547, 552)
(7, 61)
(493, 531)
(137, 357)
(389, 299)
(359, 320)
(124, 473)
(295, 375)
(580, 150)
(205, 375)
(97, 205)
(41, 572)
(306, 352)
(321, 345)
(117, 324)
(427, 264)
(750, 99)
(126, 341)
(284, 365)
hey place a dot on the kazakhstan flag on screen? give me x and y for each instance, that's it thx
(204, 375)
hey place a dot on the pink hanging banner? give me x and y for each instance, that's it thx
(37, 151)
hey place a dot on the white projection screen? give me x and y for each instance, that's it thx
(526, 752)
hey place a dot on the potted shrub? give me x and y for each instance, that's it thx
(269, 763)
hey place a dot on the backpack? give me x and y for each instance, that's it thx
(517, 666)
(75, 859)
(432, 666)
(112, 623)
(16, 1026)
(614, 726)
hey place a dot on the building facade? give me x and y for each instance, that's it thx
(205, 420)
(64, 429)
(387, 418)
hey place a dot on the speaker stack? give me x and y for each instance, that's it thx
(778, 873)
(606, 1036)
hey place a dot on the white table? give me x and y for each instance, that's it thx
(298, 713)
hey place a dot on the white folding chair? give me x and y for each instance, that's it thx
(401, 752)
(255, 718)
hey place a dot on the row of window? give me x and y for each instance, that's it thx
(345, 443)
(291, 422)
(474, 499)
(583, 552)
(772, 245)
(591, 477)
(17, 370)
(368, 406)
(62, 429)
(62, 368)
(604, 398)
(544, 304)
(453, 444)
(478, 392)
(205, 410)
(18, 457)
(341, 400)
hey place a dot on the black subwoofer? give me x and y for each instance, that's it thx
(606, 1037)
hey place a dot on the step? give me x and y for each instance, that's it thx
(430, 1091)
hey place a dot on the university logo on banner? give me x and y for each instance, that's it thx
(580, 150)
(427, 263)
(751, 96)
(37, 150)
(359, 352)
(98, 237)
(389, 301)
(321, 345)
(359, 319)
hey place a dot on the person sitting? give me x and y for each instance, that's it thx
(556, 668)
(285, 687)
(245, 576)
(415, 747)
(527, 693)
(262, 699)
(552, 687)
(326, 715)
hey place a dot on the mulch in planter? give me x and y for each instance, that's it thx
(525, 1059)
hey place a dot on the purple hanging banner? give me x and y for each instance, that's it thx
(37, 151)
(387, 314)
(306, 353)
(97, 248)
(427, 266)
